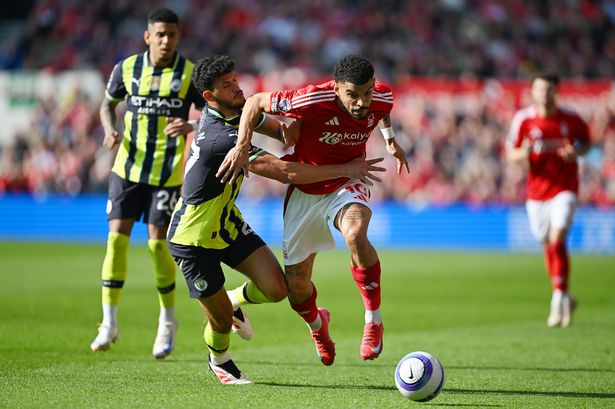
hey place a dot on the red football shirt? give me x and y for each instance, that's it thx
(329, 134)
(549, 174)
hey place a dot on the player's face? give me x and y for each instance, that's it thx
(227, 94)
(355, 98)
(543, 92)
(162, 39)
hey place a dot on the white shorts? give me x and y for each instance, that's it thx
(556, 212)
(306, 228)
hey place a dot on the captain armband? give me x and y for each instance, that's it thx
(387, 133)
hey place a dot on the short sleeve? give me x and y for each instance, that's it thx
(116, 89)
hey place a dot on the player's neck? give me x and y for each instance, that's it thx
(159, 61)
(546, 110)
(224, 111)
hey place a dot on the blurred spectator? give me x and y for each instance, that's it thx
(453, 136)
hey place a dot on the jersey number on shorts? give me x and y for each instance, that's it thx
(166, 201)
(359, 191)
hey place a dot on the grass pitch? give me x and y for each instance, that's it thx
(482, 315)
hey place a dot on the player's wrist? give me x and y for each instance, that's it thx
(388, 133)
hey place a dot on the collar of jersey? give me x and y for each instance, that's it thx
(149, 63)
(218, 114)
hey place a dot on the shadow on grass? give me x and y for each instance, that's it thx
(455, 391)
(533, 393)
(504, 368)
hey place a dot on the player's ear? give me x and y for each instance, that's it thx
(208, 95)
(146, 37)
(336, 88)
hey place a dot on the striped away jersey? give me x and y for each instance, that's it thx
(206, 215)
(329, 134)
(146, 155)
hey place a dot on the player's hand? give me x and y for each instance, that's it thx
(291, 133)
(398, 152)
(176, 127)
(567, 152)
(526, 147)
(111, 139)
(362, 169)
(235, 160)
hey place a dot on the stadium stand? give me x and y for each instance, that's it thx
(455, 65)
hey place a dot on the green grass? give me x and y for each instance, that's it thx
(482, 315)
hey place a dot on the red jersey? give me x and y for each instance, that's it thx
(549, 173)
(329, 134)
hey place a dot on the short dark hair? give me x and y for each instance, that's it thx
(208, 70)
(353, 68)
(162, 15)
(547, 76)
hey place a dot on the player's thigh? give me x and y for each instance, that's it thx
(351, 207)
(262, 268)
(538, 215)
(127, 200)
(563, 208)
(160, 204)
(306, 228)
(201, 268)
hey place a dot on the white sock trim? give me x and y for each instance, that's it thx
(109, 315)
(373, 316)
(316, 324)
(167, 315)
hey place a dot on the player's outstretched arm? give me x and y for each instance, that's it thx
(237, 158)
(272, 167)
(280, 131)
(392, 146)
(107, 120)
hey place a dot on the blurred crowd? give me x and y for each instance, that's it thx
(484, 38)
(454, 141)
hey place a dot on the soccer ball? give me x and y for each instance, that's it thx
(419, 376)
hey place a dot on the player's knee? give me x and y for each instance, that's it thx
(355, 235)
(278, 292)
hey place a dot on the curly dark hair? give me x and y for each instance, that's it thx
(353, 68)
(162, 15)
(208, 70)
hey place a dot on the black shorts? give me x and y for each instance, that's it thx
(202, 267)
(138, 201)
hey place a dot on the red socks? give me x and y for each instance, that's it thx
(368, 281)
(307, 309)
(559, 265)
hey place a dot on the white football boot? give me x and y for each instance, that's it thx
(569, 304)
(165, 339)
(241, 325)
(106, 336)
(228, 373)
(555, 316)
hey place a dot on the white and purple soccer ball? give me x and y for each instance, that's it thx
(419, 376)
